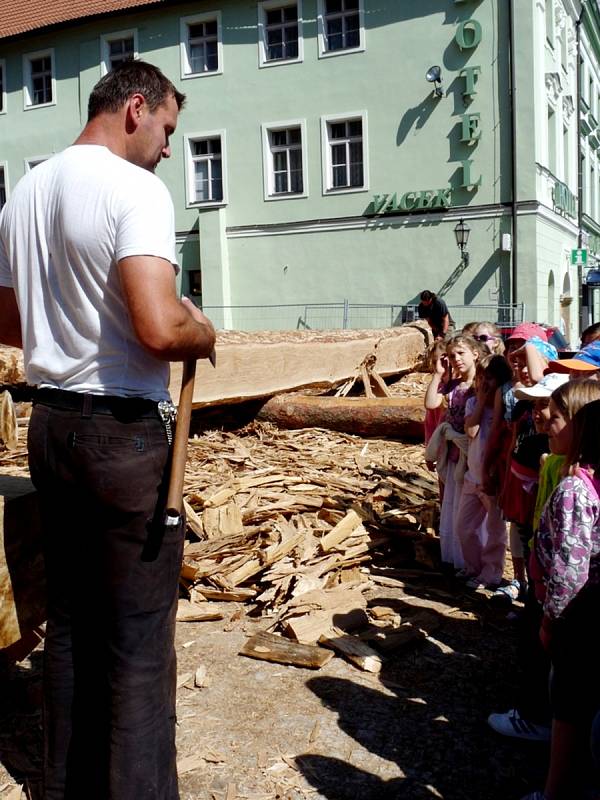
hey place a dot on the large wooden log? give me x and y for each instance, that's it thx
(255, 365)
(391, 417)
(22, 584)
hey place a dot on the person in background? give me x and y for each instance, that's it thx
(590, 334)
(479, 524)
(448, 445)
(584, 364)
(433, 309)
(489, 335)
(566, 567)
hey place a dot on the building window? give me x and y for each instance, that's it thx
(551, 141)
(201, 45)
(284, 159)
(205, 165)
(195, 283)
(30, 163)
(280, 32)
(344, 145)
(2, 86)
(592, 192)
(39, 83)
(340, 26)
(566, 158)
(118, 48)
(3, 186)
(549, 6)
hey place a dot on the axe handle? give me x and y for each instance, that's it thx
(180, 444)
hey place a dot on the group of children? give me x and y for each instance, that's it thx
(513, 433)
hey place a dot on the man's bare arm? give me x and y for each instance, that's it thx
(10, 319)
(170, 328)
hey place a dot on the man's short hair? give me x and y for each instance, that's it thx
(131, 77)
(427, 295)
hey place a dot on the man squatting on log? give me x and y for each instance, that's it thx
(87, 288)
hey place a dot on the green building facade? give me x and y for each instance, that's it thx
(315, 164)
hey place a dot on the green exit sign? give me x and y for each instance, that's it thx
(579, 257)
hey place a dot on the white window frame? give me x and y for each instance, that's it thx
(327, 173)
(269, 5)
(33, 161)
(105, 41)
(268, 174)
(27, 85)
(323, 52)
(184, 23)
(4, 169)
(4, 95)
(190, 173)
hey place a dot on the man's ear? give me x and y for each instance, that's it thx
(135, 109)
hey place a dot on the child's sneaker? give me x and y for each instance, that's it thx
(513, 724)
(475, 583)
(509, 593)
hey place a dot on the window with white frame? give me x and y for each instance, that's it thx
(340, 26)
(206, 168)
(30, 163)
(3, 186)
(201, 45)
(280, 32)
(2, 86)
(344, 145)
(39, 87)
(118, 48)
(284, 159)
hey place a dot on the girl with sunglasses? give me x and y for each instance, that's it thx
(489, 336)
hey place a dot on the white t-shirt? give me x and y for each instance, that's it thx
(64, 229)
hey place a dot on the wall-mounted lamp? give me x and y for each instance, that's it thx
(461, 232)
(434, 75)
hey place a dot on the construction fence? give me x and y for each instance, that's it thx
(346, 315)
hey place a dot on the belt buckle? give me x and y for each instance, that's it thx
(168, 415)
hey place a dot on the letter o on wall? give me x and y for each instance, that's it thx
(468, 34)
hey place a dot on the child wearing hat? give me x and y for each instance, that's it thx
(584, 364)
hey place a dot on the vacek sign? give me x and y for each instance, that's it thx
(468, 36)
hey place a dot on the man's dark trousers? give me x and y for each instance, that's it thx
(112, 574)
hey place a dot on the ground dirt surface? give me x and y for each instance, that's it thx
(262, 731)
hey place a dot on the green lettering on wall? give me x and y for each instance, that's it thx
(470, 75)
(468, 34)
(393, 203)
(443, 198)
(468, 182)
(471, 127)
(379, 202)
(426, 199)
(408, 201)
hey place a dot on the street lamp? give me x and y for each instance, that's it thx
(461, 232)
(434, 75)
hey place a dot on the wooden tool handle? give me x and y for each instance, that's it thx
(182, 431)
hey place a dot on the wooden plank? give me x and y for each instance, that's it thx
(251, 365)
(270, 647)
(236, 596)
(345, 528)
(356, 651)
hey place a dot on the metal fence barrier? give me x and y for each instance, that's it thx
(346, 315)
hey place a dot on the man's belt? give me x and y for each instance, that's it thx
(87, 404)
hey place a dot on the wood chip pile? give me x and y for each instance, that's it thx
(290, 521)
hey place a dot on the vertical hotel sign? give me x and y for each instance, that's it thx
(468, 36)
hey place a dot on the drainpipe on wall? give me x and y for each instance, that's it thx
(580, 292)
(513, 136)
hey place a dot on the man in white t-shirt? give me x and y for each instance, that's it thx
(87, 288)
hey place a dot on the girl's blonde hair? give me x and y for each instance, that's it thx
(466, 341)
(434, 351)
(584, 448)
(469, 328)
(571, 397)
(494, 330)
